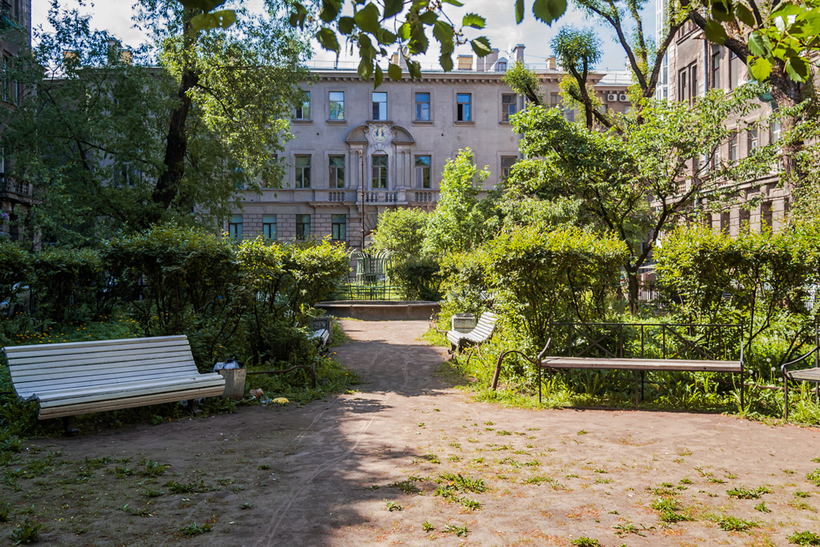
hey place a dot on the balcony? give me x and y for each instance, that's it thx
(11, 187)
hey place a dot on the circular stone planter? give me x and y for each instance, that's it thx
(380, 310)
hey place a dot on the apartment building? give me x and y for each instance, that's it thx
(696, 66)
(359, 152)
(15, 25)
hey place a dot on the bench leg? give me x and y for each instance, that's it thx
(539, 385)
(70, 426)
(785, 399)
(193, 405)
(636, 390)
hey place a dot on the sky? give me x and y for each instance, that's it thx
(501, 29)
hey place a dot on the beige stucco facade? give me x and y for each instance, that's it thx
(385, 141)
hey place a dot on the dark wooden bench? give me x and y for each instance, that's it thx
(801, 375)
(595, 355)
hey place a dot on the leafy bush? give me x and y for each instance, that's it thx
(401, 233)
(69, 284)
(419, 279)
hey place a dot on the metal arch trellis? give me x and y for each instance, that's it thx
(371, 280)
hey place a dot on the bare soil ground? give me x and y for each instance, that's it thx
(329, 473)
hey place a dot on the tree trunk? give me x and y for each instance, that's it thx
(632, 287)
(167, 188)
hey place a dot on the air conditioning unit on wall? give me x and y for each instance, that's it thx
(611, 96)
(623, 97)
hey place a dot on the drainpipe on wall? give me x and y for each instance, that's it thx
(361, 159)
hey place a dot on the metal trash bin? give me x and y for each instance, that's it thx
(463, 322)
(234, 383)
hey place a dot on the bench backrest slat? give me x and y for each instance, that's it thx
(47, 368)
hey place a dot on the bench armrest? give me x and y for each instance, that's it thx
(504, 353)
(802, 358)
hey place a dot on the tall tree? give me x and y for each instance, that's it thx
(776, 40)
(631, 182)
(578, 51)
(116, 139)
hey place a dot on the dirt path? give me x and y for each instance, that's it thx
(320, 475)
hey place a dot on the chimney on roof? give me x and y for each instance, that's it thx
(465, 62)
(479, 64)
(518, 51)
(127, 57)
(490, 60)
(550, 63)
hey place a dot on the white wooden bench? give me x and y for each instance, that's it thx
(83, 377)
(616, 360)
(482, 332)
(322, 328)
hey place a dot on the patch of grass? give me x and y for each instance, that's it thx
(27, 533)
(186, 488)
(814, 477)
(800, 494)
(432, 458)
(152, 493)
(122, 472)
(247, 505)
(470, 503)
(804, 538)
(153, 468)
(582, 432)
(629, 528)
(669, 511)
(801, 505)
(742, 493)
(585, 542)
(686, 481)
(427, 527)
(603, 481)
(460, 531)
(263, 467)
(392, 506)
(464, 484)
(733, 524)
(503, 432)
(194, 529)
(406, 486)
(762, 507)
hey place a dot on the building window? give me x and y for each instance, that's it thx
(380, 106)
(336, 165)
(464, 107)
(766, 215)
(303, 171)
(337, 105)
(508, 106)
(235, 227)
(725, 220)
(693, 83)
(302, 227)
(422, 166)
(775, 131)
(745, 218)
(379, 172)
(555, 100)
(733, 156)
(716, 70)
(683, 88)
(422, 107)
(303, 111)
(507, 163)
(338, 227)
(752, 137)
(269, 227)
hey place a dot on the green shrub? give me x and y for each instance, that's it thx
(69, 285)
